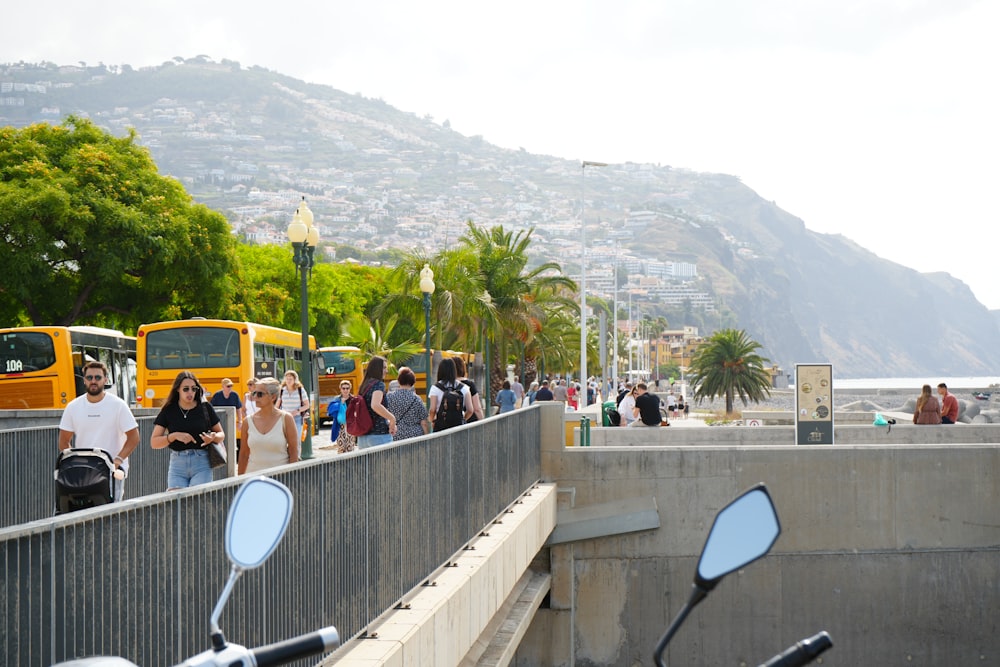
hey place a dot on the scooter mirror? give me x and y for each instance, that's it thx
(743, 531)
(257, 521)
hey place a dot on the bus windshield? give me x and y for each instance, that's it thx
(193, 347)
(338, 363)
(24, 351)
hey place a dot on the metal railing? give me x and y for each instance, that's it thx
(139, 578)
(28, 457)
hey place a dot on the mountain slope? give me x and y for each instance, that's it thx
(248, 141)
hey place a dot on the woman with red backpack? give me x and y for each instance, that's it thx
(372, 390)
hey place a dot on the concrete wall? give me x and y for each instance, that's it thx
(843, 434)
(894, 550)
(439, 624)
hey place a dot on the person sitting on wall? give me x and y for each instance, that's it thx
(949, 405)
(647, 407)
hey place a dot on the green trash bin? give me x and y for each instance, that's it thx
(606, 407)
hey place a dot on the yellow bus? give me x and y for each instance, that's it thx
(42, 367)
(213, 350)
(342, 362)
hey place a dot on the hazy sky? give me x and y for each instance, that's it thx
(875, 119)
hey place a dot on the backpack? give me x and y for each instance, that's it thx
(357, 421)
(614, 417)
(451, 409)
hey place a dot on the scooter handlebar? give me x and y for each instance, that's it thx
(283, 652)
(802, 653)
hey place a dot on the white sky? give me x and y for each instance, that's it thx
(875, 119)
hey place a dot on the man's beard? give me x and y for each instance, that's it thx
(95, 389)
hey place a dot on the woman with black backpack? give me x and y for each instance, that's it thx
(451, 400)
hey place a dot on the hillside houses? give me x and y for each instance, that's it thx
(388, 181)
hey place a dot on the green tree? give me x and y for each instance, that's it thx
(267, 290)
(373, 338)
(522, 300)
(728, 365)
(94, 234)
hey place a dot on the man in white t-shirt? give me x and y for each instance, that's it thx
(98, 420)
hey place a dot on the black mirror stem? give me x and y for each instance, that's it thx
(697, 595)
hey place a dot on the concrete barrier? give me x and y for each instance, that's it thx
(764, 436)
(892, 548)
(441, 622)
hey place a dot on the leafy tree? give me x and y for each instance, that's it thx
(267, 290)
(373, 338)
(521, 300)
(727, 365)
(92, 233)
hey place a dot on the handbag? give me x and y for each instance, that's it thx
(217, 455)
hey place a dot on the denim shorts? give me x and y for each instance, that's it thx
(366, 441)
(188, 468)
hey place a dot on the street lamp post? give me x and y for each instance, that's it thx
(583, 268)
(427, 287)
(304, 237)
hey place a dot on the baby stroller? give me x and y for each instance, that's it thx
(84, 478)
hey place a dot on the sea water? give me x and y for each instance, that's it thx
(969, 382)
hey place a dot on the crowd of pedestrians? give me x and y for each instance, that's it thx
(271, 416)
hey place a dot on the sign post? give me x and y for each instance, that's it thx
(813, 404)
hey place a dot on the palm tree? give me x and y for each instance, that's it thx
(373, 338)
(521, 300)
(727, 365)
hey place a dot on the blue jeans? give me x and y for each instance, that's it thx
(366, 441)
(188, 468)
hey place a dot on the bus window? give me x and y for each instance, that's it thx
(21, 352)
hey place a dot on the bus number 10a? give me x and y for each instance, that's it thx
(14, 366)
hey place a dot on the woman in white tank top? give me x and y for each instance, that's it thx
(269, 437)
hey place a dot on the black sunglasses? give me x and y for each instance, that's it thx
(187, 389)
(258, 394)
(93, 378)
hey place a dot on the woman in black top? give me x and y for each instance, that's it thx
(477, 404)
(186, 424)
(373, 390)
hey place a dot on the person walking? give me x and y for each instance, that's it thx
(477, 403)
(447, 409)
(543, 393)
(228, 397)
(293, 399)
(99, 420)
(949, 405)
(372, 389)
(532, 392)
(928, 410)
(506, 398)
(186, 424)
(518, 390)
(344, 441)
(671, 403)
(560, 393)
(409, 409)
(270, 437)
(571, 395)
(249, 405)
